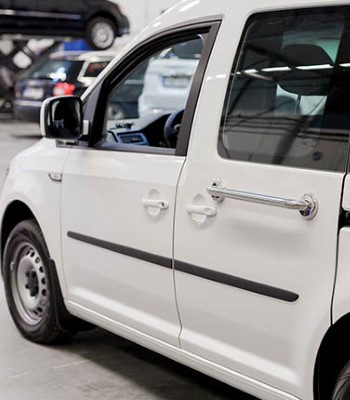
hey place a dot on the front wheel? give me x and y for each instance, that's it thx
(31, 285)
(101, 33)
(342, 385)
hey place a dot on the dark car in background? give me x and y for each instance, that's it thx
(98, 21)
(64, 73)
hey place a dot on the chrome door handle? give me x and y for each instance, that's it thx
(160, 204)
(307, 205)
(208, 211)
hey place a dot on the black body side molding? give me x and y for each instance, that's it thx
(214, 276)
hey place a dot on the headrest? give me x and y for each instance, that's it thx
(310, 81)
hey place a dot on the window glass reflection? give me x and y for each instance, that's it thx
(276, 108)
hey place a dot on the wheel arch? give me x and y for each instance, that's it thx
(332, 355)
(103, 14)
(16, 212)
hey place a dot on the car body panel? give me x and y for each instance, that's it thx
(100, 190)
(239, 381)
(28, 181)
(263, 345)
(273, 341)
(341, 301)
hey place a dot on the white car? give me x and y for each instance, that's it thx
(168, 78)
(217, 234)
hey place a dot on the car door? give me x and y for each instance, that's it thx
(118, 203)
(63, 18)
(20, 5)
(259, 197)
(6, 5)
(18, 20)
(7, 19)
(64, 7)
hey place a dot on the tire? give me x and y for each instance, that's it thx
(342, 385)
(32, 290)
(101, 33)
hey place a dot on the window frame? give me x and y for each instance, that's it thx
(96, 103)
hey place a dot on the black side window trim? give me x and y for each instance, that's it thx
(101, 93)
(186, 128)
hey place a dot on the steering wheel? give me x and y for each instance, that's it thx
(172, 128)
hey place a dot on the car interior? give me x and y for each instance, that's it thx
(160, 127)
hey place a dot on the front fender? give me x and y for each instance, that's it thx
(28, 182)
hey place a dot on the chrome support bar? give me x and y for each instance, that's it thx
(307, 205)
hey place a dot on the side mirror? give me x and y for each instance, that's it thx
(62, 118)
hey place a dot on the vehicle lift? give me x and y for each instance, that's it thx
(9, 69)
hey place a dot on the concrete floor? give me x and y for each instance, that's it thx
(96, 365)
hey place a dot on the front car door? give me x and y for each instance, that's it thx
(259, 198)
(118, 197)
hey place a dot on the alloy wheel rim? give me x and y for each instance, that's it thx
(102, 35)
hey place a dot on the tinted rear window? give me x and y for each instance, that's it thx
(94, 68)
(287, 99)
(54, 69)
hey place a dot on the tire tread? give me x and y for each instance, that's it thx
(50, 330)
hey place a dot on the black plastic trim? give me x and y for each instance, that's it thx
(240, 283)
(219, 277)
(127, 251)
(65, 320)
(9, 12)
(192, 102)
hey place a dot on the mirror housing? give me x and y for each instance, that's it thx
(62, 118)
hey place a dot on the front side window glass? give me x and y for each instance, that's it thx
(280, 106)
(147, 107)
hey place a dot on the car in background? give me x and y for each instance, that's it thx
(159, 86)
(168, 78)
(64, 73)
(99, 21)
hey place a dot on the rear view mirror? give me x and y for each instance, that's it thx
(62, 118)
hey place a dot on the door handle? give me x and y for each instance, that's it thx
(307, 205)
(207, 211)
(160, 204)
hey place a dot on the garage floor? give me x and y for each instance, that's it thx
(96, 364)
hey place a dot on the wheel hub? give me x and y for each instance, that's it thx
(33, 283)
(29, 284)
(103, 35)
